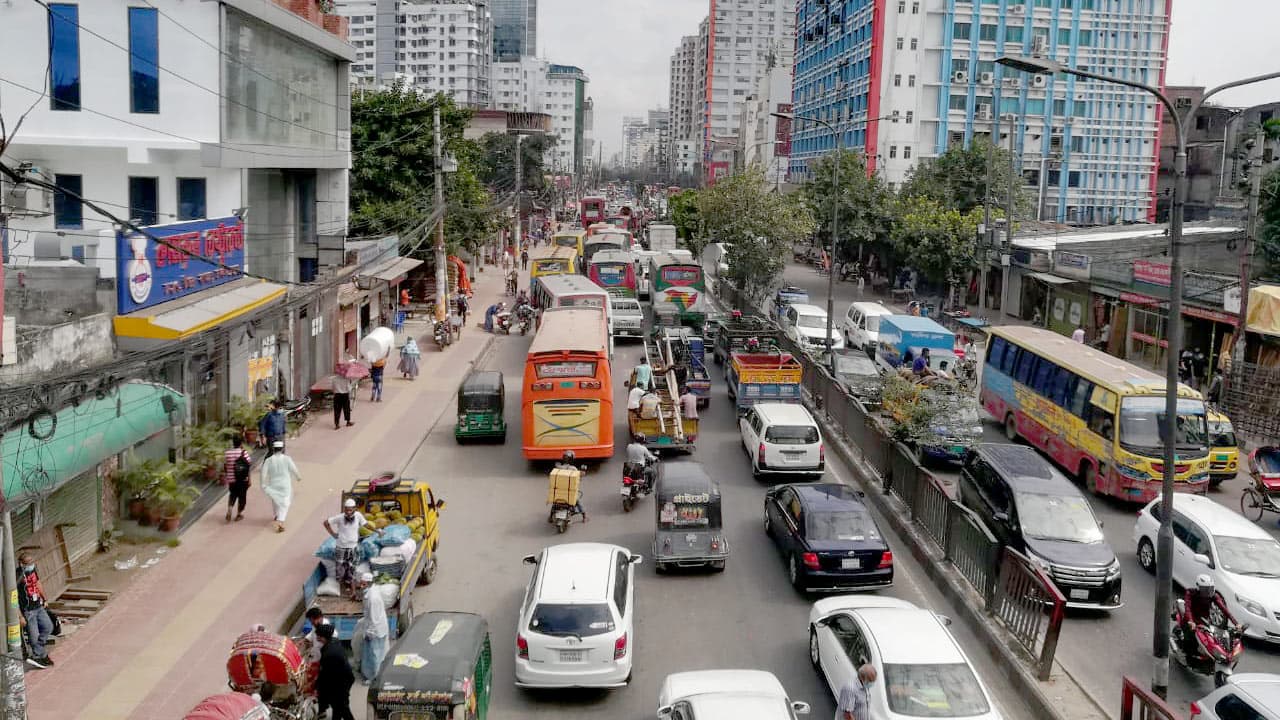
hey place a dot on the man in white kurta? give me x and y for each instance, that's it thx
(376, 630)
(278, 475)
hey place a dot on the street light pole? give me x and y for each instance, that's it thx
(1164, 544)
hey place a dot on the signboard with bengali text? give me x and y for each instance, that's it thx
(150, 273)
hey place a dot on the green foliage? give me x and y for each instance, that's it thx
(244, 415)
(1268, 246)
(205, 444)
(496, 165)
(958, 178)
(760, 224)
(939, 241)
(683, 207)
(865, 204)
(910, 415)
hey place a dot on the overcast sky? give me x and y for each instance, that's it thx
(625, 47)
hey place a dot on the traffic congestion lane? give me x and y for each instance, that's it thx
(745, 617)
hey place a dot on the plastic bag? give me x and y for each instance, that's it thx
(369, 547)
(408, 549)
(129, 564)
(390, 593)
(329, 586)
(326, 548)
(394, 535)
(330, 567)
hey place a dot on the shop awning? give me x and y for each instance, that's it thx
(1264, 310)
(78, 438)
(395, 270)
(197, 313)
(1052, 279)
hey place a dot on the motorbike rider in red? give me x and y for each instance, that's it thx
(1200, 603)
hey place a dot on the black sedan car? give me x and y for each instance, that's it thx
(827, 537)
(857, 373)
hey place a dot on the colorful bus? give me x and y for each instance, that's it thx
(570, 239)
(556, 292)
(677, 281)
(561, 261)
(601, 242)
(591, 210)
(567, 400)
(1097, 416)
(615, 271)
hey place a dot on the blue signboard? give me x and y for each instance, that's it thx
(150, 273)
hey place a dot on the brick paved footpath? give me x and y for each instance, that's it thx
(161, 645)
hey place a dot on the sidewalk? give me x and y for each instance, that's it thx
(161, 646)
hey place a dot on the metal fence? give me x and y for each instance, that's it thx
(1138, 703)
(1012, 588)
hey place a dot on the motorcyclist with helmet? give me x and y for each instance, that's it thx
(1200, 602)
(638, 459)
(566, 463)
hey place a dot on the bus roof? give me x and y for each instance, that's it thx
(669, 258)
(564, 284)
(571, 329)
(1120, 376)
(621, 256)
(559, 252)
(570, 233)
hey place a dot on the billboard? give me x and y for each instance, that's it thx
(782, 132)
(149, 273)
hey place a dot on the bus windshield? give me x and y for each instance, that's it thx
(1142, 424)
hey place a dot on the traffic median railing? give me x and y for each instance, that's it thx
(1022, 594)
(1138, 703)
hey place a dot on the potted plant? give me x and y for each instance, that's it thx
(244, 416)
(133, 483)
(204, 446)
(173, 495)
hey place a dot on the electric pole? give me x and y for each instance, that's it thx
(519, 244)
(1008, 219)
(1246, 248)
(442, 275)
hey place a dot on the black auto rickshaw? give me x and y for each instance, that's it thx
(442, 667)
(689, 531)
(480, 402)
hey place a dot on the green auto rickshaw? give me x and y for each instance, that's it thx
(441, 668)
(480, 403)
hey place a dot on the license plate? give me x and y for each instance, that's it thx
(1079, 594)
(562, 514)
(957, 449)
(850, 564)
(570, 656)
(625, 491)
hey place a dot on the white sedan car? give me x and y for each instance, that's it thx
(726, 695)
(921, 670)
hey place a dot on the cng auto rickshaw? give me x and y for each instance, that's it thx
(1224, 454)
(481, 398)
(442, 668)
(688, 531)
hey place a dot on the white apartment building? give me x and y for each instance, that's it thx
(760, 140)
(535, 85)
(685, 66)
(636, 141)
(684, 159)
(432, 46)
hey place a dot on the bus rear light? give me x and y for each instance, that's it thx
(589, 384)
(542, 385)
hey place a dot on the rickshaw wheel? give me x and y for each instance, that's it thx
(1251, 505)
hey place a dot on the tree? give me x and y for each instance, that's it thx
(940, 242)
(958, 178)
(760, 225)
(1269, 225)
(683, 208)
(498, 167)
(864, 202)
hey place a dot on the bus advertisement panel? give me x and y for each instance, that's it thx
(1097, 416)
(615, 271)
(676, 281)
(591, 210)
(567, 401)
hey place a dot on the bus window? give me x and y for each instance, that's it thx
(1010, 362)
(1026, 366)
(1101, 422)
(1079, 401)
(995, 352)
(1064, 386)
(1045, 372)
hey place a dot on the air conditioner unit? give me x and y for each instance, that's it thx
(986, 78)
(26, 199)
(1039, 81)
(960, 77)
(984, 112)
(1038, 44)
(1011, 82)
(1017, 9)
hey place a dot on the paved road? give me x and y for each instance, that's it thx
(1126, 634)
(746, 617)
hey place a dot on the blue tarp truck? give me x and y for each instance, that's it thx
(902, 337)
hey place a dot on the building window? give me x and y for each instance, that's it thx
(987, 32)
(915, 43)
(902, 6)
(893, 151)
(144, 59)
(144, 199)
(915, 8)
(64, 57)
(897, 81)
(959, 102)
(959, 65)
(910, 117)
(900, 44)
(961, 31)
(911, 81)
(906, 152)
(191, 198)
(67, 211)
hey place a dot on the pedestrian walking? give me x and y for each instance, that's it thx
(506, 259)
(490, 313)
(854, 701)
(34, 615)
(333, 684)
(345, 529)
(375, 376)
(409, 355)
(273, 426)
(524, 259)
(341, 398)
(463, 307)
(237, 466)
(643, 374)
(278, 475)
(375, 631)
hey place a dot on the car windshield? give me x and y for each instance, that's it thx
(841, 525)
(566, 620)
(1249, 556)
(1221, 434)
(934, 691)
(1142, 423)
(791, 434)
(855, 365)
(872, 322)
(812, 321)
(1058, 517)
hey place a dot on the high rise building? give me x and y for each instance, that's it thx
(428, 45)
(660, 127)
(515, 29)
(685, 106)
(763, 139)
(534, 85)
(1088, 149)
(739, 37)
(636, 141)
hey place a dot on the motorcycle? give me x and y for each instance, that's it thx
(565, 496)
(296, 410)
(502, 323)
(967, 372)
(442, 335)
(524, 313)
(1218, 645)
(637, 481)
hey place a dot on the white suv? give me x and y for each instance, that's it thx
(782, 438)
(1252, 696)
(1211, 539)
(861, 324)
(807, 326)
(576, 623)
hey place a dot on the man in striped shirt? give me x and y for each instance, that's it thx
(237, 482)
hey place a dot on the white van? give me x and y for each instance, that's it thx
(782, 438)
(628, 317)
(861, 324)
(576, 623)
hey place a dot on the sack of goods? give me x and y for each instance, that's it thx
(390, 593)
(326, 548)
(392, 565)
(394, 535)
(329, 586)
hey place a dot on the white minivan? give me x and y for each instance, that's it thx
(576, 623)
(782, 438)
(806, 325)
(861, 324)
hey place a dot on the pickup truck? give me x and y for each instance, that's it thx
(734, 332)
(628, 317)
(763, 377)
(679, 347)
(381, 494)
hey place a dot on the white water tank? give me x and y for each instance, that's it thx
(377, 344)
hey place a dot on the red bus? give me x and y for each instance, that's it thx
(591, 210)
(615, 271)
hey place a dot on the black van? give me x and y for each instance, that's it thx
(1031, 507)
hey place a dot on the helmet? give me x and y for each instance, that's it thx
(567, 456)
(639, 437)
(1204, 586)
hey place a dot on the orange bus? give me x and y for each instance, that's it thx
(567, 399)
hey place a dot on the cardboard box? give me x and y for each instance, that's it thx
(563, 486)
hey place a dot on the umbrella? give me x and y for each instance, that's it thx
(353, 370)
(229, 706)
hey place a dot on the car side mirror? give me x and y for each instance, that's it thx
(1203, 559)
(440, 505)
(637, 559)
(800, 708)
(1100, 525)
(665, 711)
(530, 559)
(945, 619)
